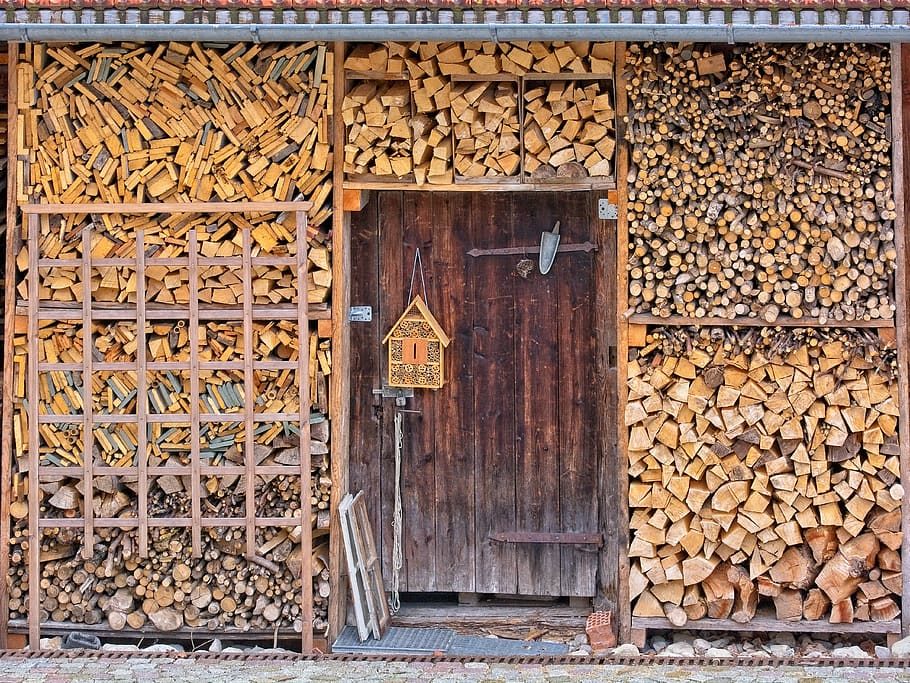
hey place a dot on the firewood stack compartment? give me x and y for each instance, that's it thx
(170, 453)
(469, 121)
(169, 434)
(763, 404)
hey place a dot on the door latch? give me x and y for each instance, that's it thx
(400, 394)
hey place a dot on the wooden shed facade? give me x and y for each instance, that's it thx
(269, 200)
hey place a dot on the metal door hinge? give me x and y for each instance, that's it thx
(607, 211)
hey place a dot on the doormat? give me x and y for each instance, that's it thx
(428, 641)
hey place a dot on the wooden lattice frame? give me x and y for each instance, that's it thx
(140, 312)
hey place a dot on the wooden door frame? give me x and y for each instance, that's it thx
(602, 393)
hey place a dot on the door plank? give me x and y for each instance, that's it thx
(537, 414)
(455, 432)
(364, 460)
(493, 364)
(577, 455)
(418, 470)
(391, 304)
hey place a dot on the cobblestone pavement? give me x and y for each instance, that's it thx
(148, 670)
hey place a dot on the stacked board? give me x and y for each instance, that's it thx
(437, 113)
(764, 466)
(168, 347)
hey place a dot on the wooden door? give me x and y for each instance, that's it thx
(508, 445)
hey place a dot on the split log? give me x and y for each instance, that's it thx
(377, 115)
(482, 115)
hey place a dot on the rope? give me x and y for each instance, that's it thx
(417, 262)
(397, 519)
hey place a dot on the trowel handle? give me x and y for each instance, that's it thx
(556, 228)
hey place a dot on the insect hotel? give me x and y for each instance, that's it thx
(694, 416)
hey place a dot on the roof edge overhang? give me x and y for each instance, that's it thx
(511, 20)
(259, 32)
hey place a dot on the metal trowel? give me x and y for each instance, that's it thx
(549, 244)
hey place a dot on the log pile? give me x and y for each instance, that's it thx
(761, 181)
(246, 595)
(569, 129)
(466, 120)
(764, 468)
(183, 122)
(170, 591)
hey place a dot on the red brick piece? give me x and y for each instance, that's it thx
(599, 628)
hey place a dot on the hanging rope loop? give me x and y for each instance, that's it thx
(418, 263)
(397, 520)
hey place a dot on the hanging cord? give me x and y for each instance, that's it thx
(397, 519)
(417, 262)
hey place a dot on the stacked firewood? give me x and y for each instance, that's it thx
(482, 58)
(377, 115)
(486, 129)
(198, 122)
(764, 466)
(168, 391)
(170, 590)
(217, 284)
(761, 181)
(465, 119)
(568, 129)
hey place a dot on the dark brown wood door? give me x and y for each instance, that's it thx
(508, 444)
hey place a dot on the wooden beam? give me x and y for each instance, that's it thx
(340, 386)
(167, 207)
(9, 322)
(771, 624)
(354, 199)
(621, 501)
(900, 172)
(751, 321)
(303, 386)
(606, 263)
(34, 509)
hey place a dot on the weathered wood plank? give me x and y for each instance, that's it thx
(364, 461)
(578, 456)
(493, 366)
(538, 413)
(390, 304)
(418, 470)
(453, 403)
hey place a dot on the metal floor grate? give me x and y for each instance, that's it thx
(400, 640)
(397, 640)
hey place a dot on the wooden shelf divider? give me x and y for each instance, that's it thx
(715, 321)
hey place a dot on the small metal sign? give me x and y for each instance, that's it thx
(607, 211)
(361, 314)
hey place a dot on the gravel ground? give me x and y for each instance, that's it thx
(147, 670)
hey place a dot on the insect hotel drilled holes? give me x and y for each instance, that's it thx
(416, 349)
